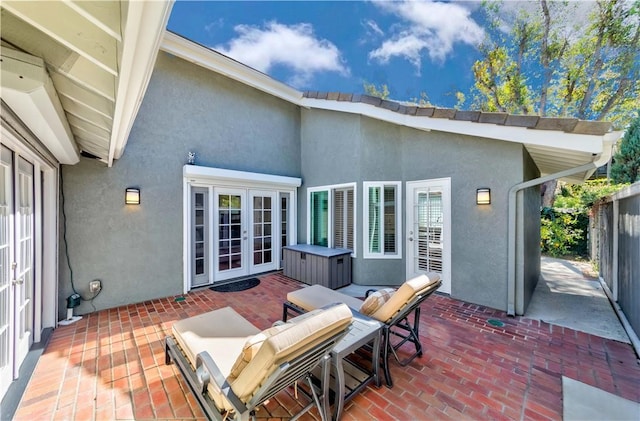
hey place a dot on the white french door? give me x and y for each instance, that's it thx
(263, 239)
(428, 238)
(16, 264)
(7, 349)
(230, 244)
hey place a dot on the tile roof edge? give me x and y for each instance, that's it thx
(569, 125)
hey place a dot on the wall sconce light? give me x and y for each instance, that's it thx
(132, 196)
(483, 196)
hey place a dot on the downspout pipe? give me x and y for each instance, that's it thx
(598, 161)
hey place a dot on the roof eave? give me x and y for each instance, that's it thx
(219, 63)
(145, 25)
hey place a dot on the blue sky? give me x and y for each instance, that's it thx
(412, 46)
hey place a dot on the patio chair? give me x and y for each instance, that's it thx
(391, 307)
(232, 367)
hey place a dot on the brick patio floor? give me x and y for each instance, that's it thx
(110, 364)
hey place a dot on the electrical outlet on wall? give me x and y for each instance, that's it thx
(94, 286)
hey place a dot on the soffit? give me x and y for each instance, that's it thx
(99, 56)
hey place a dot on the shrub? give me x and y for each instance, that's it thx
(564, 228)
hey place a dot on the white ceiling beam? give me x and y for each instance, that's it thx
(143, 31)
(85, 126)
(87, 114)
(103, 14)
(103, 124)
(67, 88)
(91, 77)
(70, 29)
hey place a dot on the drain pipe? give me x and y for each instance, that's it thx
(598, 161)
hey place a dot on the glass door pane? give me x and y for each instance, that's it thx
(24, 276)
(199, 236)
(231, 234)
(428, 239)
(6, 301)
(263, 231)
(284, 222)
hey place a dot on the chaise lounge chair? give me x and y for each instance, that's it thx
(232, 367)
(391, 307)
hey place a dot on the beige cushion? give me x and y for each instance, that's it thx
(251, 347)
(376, 300)
(289, 343)
(317, 296)
(223, 328)
(404, 294)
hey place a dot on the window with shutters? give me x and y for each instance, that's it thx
(331, 219)
(382, 219)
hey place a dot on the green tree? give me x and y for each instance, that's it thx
(371, 89)
(548, 65)
(626, 162)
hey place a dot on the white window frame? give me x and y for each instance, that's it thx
(365, 223)
(330, 189)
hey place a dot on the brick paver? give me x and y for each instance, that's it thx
(110, 364)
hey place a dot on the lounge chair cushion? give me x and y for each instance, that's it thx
(404, 294)
(317, 296)
(376, 300)
(251, 348)
(287, 344)
(223, 328)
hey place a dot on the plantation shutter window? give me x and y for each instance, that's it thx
(332, 216)
(382, 219)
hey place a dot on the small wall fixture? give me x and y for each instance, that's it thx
(132, 196)
(483, 196)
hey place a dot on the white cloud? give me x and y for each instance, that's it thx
(372, 27)
(214, 26)
(428, 26)
(292, 46)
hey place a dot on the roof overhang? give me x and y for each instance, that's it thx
(552, 150)
(219, 63)
(28, 90)
(96, 58)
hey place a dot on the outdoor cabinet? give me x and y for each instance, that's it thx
(315, 265)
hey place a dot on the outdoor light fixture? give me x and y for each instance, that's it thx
(132, 196)
(483, 196)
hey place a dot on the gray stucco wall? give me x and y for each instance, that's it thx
(340, 148)
(531, 230)
(137, 251)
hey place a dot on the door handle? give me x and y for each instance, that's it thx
(18, 281)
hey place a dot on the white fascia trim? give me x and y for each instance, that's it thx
(195, 173)
(219, 63)
(548, 138)
(146, 21)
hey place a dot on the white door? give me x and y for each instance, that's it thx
(262, 242)
(428, 234)
(16, 264)
(6, 288)
(230, 234)
(199, 236)
(24, 250)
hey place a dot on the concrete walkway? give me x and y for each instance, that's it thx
(570, 295)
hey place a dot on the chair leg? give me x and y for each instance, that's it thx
(385, 358)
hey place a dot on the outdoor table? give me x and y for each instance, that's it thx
(351, 378)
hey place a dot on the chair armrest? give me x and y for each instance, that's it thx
(207, 370)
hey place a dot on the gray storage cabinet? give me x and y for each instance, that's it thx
(315, 265)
